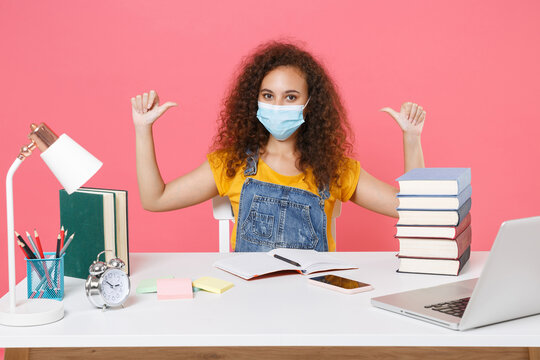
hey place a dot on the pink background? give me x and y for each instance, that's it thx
(473, 65)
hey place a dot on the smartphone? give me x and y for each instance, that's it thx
(341, 284)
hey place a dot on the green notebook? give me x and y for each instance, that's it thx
(92, 215)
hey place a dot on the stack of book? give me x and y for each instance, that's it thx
(434, 226)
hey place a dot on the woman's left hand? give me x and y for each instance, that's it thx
(410, 118)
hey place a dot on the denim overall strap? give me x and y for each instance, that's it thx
(251, 163)
(276, 216)
(324, 192)
(251, 169)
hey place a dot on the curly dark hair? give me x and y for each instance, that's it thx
(323, 141)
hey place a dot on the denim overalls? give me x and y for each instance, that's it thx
(276, 216)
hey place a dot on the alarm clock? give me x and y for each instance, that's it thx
(107, 285)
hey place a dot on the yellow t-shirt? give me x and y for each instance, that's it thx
(231, 187)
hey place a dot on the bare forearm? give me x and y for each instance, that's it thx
(375, 195)
(412, 152)
(151, 185)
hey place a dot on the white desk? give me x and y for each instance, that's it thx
(278, 311)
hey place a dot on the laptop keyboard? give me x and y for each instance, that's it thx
(454, 308)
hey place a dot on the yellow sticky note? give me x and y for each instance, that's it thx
(211, 284)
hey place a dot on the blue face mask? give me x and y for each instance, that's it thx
(281, 120)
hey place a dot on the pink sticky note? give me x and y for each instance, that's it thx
(170, 289)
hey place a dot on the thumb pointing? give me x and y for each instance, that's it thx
(391, 112)
(165, 107)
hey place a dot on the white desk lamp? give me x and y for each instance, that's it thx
(73, 166)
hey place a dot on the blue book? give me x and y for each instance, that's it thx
(434, 202)
(434, 181)
(434, 217)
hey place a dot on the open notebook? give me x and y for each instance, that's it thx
(250, 265)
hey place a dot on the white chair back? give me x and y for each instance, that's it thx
(222, 210)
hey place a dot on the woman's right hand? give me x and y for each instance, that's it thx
(146, 109)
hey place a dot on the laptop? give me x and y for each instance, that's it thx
(508, 287)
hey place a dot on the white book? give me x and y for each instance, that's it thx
(443, 232)
(434, 266)
(432, 202)
(251, 265)
(435, 248)
(434, 217)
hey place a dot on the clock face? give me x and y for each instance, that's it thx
(114, 286)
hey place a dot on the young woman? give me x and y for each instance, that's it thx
(281, 154)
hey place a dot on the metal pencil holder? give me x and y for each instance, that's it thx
(45, 277)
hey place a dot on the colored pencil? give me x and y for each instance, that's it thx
(38, 243)
(62, 235)
(58, 240)
(33, 244)
(24, 245)
(63, 251)
(22, 249)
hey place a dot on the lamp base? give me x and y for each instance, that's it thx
(32, 312)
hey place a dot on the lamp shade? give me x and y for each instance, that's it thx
(70, 163)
